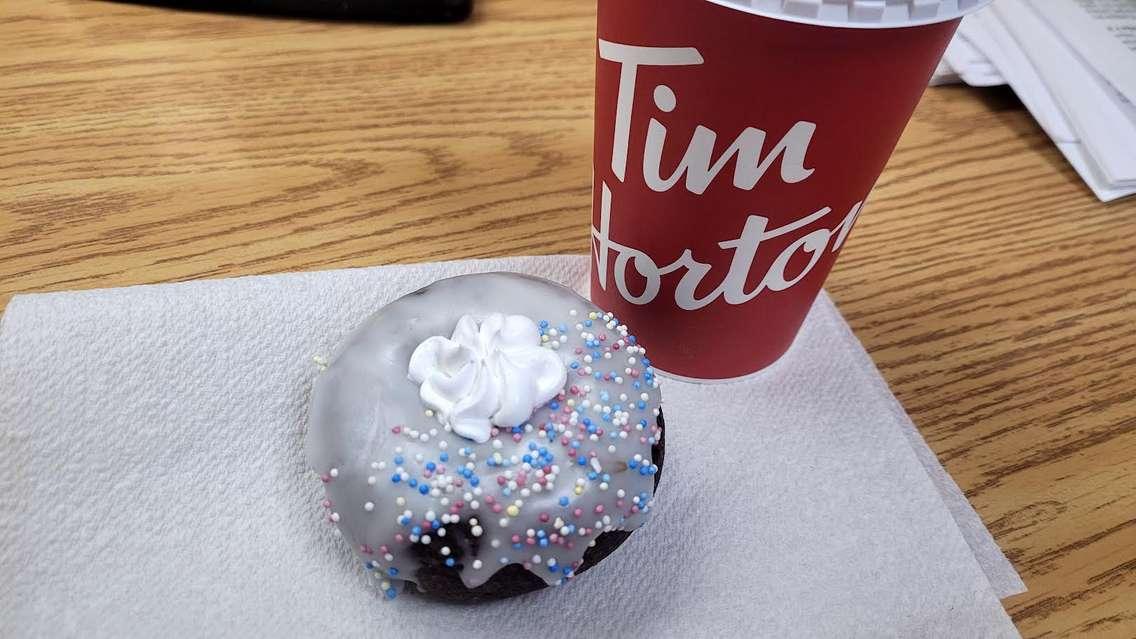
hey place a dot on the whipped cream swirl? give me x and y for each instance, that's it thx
(489, 373)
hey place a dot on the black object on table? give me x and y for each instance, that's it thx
(382, 10)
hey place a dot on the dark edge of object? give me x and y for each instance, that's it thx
(402, 11)
(441, 583)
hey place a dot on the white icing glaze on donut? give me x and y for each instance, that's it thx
(490, 373)
(536, 494)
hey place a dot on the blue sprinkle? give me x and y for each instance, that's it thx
(436, 524)
(391, 593)
(417, 530)
(404, 520)
(631, 338)
(645, 470)
(605, 396)
(567, 570)
(563, 328)
(598, 375)
(413, 482)
(554, 405)
(646, 362)
(543, 452)
(544, 323)
(553, 568)
(540, 533)
(574, 365)
(445, 457)
(607, 417)
(606, 477)
(543, 543)
(395, 478)
(643, 423)
(631, 463)
(587, 322)
(370, 565)
(392, 571)
(527, 459)
(431, 466)
(587, 421)
(474, 481)
(563, 501)
(636, 385)
(642, 404)
(424, 489)
(398, 460)
(518, 546)
(653, 469)
(592, 475)
(582, 461)
(450, 562)
(576, 444)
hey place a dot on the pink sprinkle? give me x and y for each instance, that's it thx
(326, 503)
(325, 478)
(547, 469)
(497, 508)
(615, 346)
(531, 541)
(579, 350)
(527, 565)
(365, 549)
(599, 508)
(458, 483)
(493, 431)
(553, 537)
(516, 539)
(619, 503)
(489, 499)
(396, 429)
(398, 537)
(517, 437)
(634, 509)
(575, 390)
(571, 452)
(577, 512)
(603, 337)
(564, 441)
(580, 372)
(459, 504)
(383, 549)
(570, 545)
(635, 372)
(521, 479)
(543, 517)
(501, 480)
(541, 480)
(600, 432)
(642, 439)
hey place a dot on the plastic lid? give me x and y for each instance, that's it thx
(863, 14)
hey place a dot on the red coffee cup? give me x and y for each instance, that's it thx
(734, 148)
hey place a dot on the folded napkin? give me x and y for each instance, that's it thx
(152, 481)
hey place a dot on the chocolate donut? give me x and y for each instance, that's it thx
(486, 436)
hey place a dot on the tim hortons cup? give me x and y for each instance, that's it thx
(735, 145)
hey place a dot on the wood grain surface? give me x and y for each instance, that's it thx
(994, 292)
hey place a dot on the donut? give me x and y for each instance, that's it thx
(486, 436)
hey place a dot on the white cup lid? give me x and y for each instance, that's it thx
(864, 14)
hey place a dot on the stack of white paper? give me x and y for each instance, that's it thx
(1073, 64)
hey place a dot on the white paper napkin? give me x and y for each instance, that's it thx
(152, 482)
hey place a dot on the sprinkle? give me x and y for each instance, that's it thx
(512, 511)
(477, 564)
(334, 472)
(369, 506)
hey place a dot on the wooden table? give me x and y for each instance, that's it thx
(994, 292)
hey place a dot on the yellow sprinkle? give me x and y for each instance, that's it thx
(579, 490)
(512, 511)
(544, 338)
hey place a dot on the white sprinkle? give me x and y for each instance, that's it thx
(476, 531)
(369, 506)
(375, 465)
(611, 448)
(503, 522)
(425, 539)
(372, 480)
(334, 472)
(335, 517)
(441, 532)
(401, 501)
(477, 564)
(536, 559)
(496, 543)
(445, 551)
(429, 413)
(621, 493)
